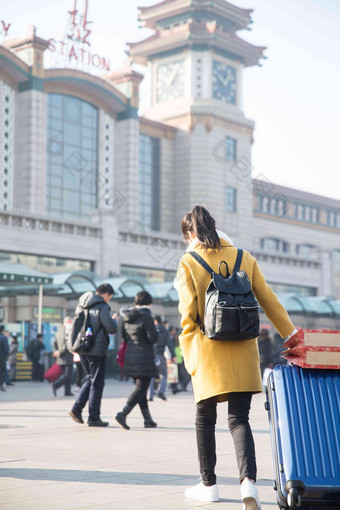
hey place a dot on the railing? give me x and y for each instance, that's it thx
(285, 259)
(155, 239)
(45, 224)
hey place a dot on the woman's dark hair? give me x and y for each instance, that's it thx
(143, 298)
(105, 288)
(202, 224)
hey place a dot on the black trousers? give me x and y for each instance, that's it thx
(92, 388)
(2, 371)
(238, 421)
(37, 371)
(138, 396)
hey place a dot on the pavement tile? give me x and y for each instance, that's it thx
(48, 462)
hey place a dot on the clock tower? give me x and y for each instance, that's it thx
(196, 61)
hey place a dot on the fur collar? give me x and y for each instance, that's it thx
(195, 242)
(220, 234)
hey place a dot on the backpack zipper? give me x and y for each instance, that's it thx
(233, 307)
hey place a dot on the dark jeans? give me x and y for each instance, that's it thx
(92, 388)
(238, 421)
(139, 395)
(80, 374)
(37, 371)
(65, 379)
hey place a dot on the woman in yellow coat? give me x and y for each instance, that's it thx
(221, 370)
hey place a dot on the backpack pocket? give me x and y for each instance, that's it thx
(227, 319)
(249, 320)
(236, 322)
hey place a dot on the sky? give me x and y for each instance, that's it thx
(293, 97)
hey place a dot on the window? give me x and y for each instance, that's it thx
(281, 207)
(230, 199)
(149, 182)
(298, 290)
(230, 149)
(305, 250)
(272, 205)
(333, 219)
(272, 244)
(46, 264)
(148, 274)
(308, 213)
(72, 156)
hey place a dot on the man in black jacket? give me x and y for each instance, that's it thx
(94, 360)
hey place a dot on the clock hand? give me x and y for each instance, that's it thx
(227, 80)
(174, 74)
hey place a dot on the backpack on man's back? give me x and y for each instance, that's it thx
(80, 337)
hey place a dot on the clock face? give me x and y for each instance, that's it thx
(170, 81)
(224, 82)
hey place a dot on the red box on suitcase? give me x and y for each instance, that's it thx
(53, 373)
(314, 348)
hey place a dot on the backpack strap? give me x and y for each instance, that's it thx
(88, 316)
(208, 268)
(238, 260)
(201, 261)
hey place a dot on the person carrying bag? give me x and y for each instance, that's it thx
(219, 353)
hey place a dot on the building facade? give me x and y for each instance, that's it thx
(86, 184)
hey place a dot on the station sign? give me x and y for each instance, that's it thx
(76, 46)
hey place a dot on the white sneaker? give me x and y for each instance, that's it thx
(250, 496)
(203, 493)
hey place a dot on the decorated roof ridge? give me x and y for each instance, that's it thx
(168, 8)
(27, 39)
(192, 33)
(67, 73)
(148, 39)
(123, 72)
(156, 123)
(202, 27)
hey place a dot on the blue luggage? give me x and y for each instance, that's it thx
(304, 418)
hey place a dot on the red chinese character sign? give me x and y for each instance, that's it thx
(75, 48)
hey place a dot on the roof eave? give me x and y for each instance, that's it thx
(149, 16)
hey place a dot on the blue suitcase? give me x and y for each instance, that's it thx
(304, 419)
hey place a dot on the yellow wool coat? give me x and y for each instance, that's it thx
(221, 367)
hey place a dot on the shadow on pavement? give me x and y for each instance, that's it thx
(115, 477)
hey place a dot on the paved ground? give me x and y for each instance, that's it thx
(49, 462)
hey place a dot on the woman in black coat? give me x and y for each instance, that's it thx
(140, 333)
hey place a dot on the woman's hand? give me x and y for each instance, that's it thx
(294, 339)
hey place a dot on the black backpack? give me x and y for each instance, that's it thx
(79, 337)
(231, 309)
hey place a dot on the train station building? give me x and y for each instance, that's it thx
(90, 190)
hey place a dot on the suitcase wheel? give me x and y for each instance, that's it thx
(293, 498)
